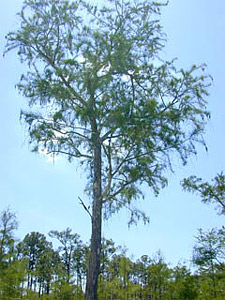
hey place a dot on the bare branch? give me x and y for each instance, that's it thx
(85, 207)
(79, 154)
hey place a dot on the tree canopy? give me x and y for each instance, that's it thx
(98, 90)
(102, 63)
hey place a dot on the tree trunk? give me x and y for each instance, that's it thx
(95, 250)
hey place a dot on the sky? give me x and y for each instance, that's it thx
(44, 195)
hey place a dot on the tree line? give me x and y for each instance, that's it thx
(33, 269)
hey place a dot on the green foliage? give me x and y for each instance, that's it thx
(93, 70)
(12, 271)
(209, 193)
(99, 90)
(72, 252)
(8, 224)
(65, 291)
(120, 277)
(184, 284)
(209, 256)
(210, 249)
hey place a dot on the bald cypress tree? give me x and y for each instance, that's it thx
(99, 92)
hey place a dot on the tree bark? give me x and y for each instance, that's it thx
(95, 249)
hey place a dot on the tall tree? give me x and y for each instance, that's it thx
(12, 272)
(33, 246)
(70, 242)
(183, 284)
(209, 254)
(99, 91)
(48, 268)
(159, 275)
(8, 224)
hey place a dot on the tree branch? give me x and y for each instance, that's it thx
(79, 154)
(85, 207)
(110, 197)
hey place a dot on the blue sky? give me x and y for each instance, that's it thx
(45, 195)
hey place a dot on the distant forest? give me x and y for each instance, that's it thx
(33, 269)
